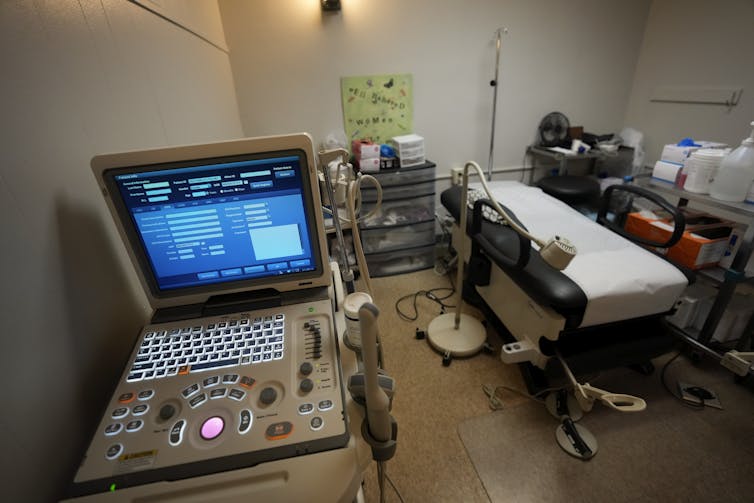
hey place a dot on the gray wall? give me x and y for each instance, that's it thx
(577, 57)
(80, 78)
(694, 43)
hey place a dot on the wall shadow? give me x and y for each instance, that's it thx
(103, 317)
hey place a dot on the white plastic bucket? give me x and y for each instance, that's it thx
(702, 167)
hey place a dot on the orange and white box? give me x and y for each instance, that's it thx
(703, 242)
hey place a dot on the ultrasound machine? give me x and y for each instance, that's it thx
(234, 390)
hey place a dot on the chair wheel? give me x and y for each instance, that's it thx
(446, 359)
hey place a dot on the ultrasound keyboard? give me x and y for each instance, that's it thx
(220, 393)
(196, 348)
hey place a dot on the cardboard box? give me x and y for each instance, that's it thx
(371, 165)
(676, 153)
(703, 242)
(734, 243)
(363, 149)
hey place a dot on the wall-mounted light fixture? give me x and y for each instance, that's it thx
(330, 5)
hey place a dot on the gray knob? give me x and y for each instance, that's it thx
(306, 385)
(306, 368)
(268, 395)
(166, 412)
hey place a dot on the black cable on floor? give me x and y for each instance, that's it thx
(429, 294)
(390, 481)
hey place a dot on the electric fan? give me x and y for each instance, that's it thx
(553, 130)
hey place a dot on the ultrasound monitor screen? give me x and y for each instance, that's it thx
(209, 222)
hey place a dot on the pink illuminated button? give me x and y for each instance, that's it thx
(212, 427)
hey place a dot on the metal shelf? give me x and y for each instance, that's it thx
(729, 278)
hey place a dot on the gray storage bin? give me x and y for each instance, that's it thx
(402, 261)
(378, 240)
(369, 194)
(405, 176)
(401, 211)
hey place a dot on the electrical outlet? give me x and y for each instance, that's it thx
(456, 176)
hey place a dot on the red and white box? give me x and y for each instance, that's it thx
(364, 149)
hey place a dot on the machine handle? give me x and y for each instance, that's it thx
(679, 221)
(377, 401)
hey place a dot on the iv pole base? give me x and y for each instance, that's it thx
(466, 340)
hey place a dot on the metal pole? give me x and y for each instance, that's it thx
(345, 270)
(493, 83)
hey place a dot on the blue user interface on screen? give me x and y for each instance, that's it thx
(221, 222)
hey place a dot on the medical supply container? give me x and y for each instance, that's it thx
(736, 173)
(409, 148)
(701, 168)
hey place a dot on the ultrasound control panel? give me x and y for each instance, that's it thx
(269, 388)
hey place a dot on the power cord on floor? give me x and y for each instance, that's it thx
(381, 470)
(429, 294)
(497, 404)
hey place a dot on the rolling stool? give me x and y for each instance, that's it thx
(572, 190)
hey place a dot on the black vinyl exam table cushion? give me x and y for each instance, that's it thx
(540, 281)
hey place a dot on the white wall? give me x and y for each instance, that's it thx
(694, 43)
(80, 78)
(577, 57)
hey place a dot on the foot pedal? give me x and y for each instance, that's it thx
(576, 440)
(517, 352)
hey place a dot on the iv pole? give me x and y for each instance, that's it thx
(498, 35)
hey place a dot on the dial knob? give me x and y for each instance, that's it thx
(306, 385)
(166, 412)
(268, 395)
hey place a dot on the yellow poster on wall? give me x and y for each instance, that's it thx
(377, 107)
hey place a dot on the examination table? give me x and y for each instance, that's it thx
(605, 310)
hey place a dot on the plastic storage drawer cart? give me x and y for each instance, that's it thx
(401, 236)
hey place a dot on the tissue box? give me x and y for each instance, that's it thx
(409, 149)
(703, 242)
(677, 154)
(666, 170)
(363, 149)
(371, 165)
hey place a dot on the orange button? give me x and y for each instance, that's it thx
(126, 397)
(278, 431)
(247, 382)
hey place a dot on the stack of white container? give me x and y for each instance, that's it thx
(700, 169)
(409, 149)
(674, 164)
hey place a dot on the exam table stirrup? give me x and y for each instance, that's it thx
(586, 394)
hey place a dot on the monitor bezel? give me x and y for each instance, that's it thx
(107, 166)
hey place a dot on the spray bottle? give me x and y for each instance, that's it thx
(736, 173)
